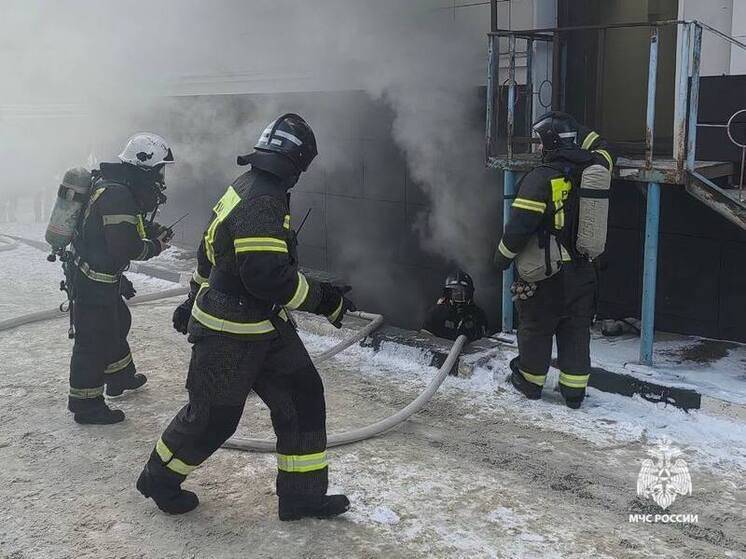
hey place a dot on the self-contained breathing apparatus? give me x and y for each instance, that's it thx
(576, 223)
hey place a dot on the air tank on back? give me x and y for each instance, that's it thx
(72, 197)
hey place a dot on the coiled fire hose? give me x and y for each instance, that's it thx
(337, 439)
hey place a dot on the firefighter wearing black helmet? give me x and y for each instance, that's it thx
(113, 232)
(555, 292)
(246, 282)
(455, 313)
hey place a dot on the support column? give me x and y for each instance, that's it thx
(509, 180)
(650, 273)
(652, 220)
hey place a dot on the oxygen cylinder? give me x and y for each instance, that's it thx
(72, 197)
(593, 214)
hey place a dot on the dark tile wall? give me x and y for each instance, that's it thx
(364, 205)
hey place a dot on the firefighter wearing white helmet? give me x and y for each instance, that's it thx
(113, 231)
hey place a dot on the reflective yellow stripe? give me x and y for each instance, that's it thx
(93, 275)
(222, 325)
(173, 464)
(286, 222)
(606, 155)
(574, 381)
(95, 196)
(119, 218)
(536, 379)
(301, 292)
(198, 279)
(301, 463)
(589, 139)
(505, 251)
(86, 393)
(560, 191)
(141, 228)
(259, 244)
(222, 209)
(531, 205)
(118, 365)
(335, 315)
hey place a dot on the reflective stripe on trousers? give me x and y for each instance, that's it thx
(302, 463)
(86, 393)
(574, 381)
(170, 462)
(117, 366)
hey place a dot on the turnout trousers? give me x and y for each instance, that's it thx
(101, 354)
(562, 307)
(222, 372)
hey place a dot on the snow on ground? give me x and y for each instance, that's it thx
(712, 367)
(38, 281)
(481, 472)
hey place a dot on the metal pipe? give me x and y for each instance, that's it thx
(529, 86)
(682, 90)
(509, 182)
(491, 79)
(662, 23)
(652, 86)
(722, 35)
(650, 273)
(511, 98)
(691, 149)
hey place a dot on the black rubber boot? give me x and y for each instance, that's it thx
(167, 494)
(117, 388)
(319, 507)
(528, 389)
(99, 415)
(573, 403)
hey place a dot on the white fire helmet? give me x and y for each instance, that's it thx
(146, 150)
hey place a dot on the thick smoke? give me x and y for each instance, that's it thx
(123, 65)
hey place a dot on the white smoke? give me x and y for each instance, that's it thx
(122, 62)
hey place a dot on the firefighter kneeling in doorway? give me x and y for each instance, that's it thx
(111, 233)
(556, 228)
(246, 281)
(456, 313)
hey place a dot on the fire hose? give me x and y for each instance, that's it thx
(7, 243)
(337, 439)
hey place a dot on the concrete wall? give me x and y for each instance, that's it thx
(716, 53)
(738, 30)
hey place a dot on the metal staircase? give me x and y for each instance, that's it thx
(514, 154)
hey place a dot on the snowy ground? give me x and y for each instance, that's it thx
(480, 473)
(711, 367)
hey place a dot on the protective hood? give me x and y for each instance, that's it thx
(273, 163)
(140, 183)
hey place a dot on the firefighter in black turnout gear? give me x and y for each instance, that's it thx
(455, 313)
(246, 282)
(547, 235)
(112, 232)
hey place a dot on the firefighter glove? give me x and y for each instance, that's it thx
(334, 304)
(182, 314)
(126, 289)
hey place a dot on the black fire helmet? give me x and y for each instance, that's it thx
(286, 147)
(557, 130)
(459, 287)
